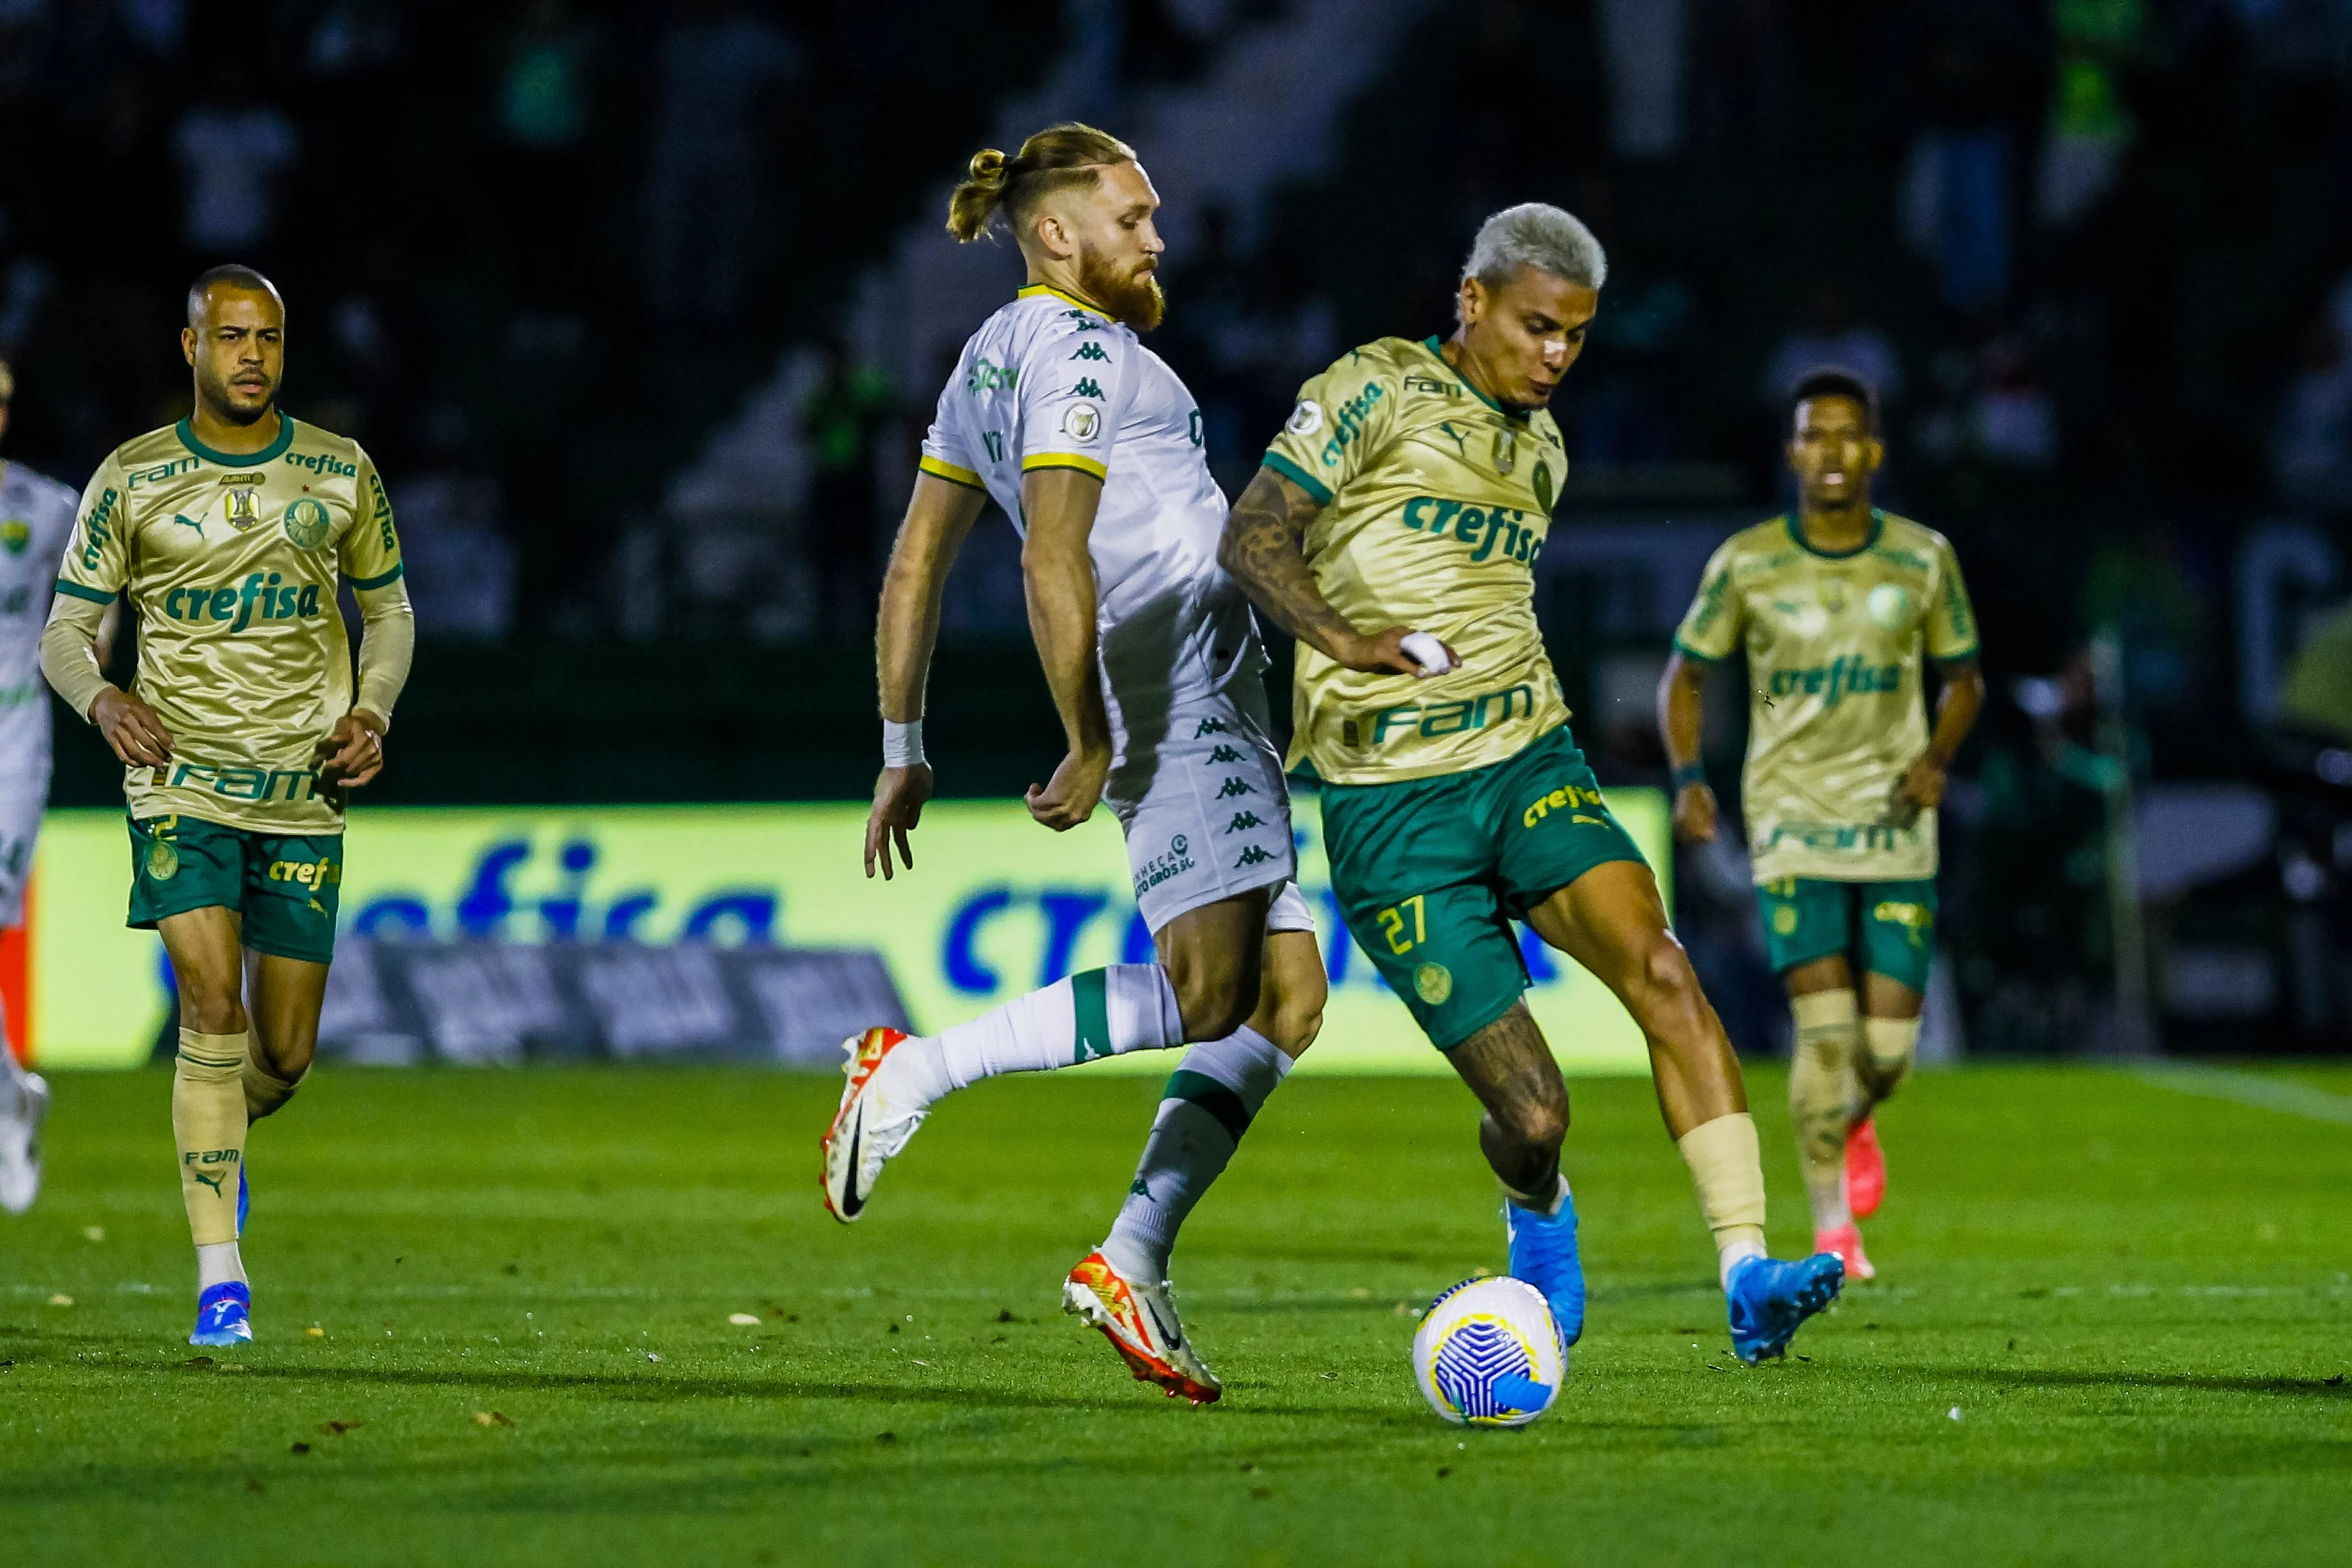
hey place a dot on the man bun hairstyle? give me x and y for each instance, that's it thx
(1835, 380)
(236, 277)
(1056, 158)
(1536, 234)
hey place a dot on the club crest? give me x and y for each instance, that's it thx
(15, 534)
(306, 523)
(1506, 451)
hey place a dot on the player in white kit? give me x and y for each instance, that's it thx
(1090, 442)
(36, 516)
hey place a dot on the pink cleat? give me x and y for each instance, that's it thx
(1846, 1242)
(1865, 1169)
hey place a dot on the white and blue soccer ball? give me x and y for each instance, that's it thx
(1489, 1353)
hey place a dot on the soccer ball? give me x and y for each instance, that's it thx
(1489, 1353)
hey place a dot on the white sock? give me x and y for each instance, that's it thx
(217, 1264)
(1209, 1102)
(1093, 1013)
(1731, 1254)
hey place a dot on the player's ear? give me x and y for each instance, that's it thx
(188, 344)
(1473, 300)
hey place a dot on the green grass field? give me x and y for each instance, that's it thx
(2113, 1325)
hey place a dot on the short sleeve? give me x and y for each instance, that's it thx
(1341, 420)
(370, 550)
(1951, 620)
(1074, 387)
(97, 562)
(1711, 627)
(945, 454)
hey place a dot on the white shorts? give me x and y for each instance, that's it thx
(1206, 813)
(21, 800)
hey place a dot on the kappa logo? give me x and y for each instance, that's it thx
(1252, 856)
(1224, 754)
(1235, 787)
(1087, 387)
(1211, 726)
(1091, 349)
(1243, 821)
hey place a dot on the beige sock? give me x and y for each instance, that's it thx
(1823, 1098)
(208, 1120)
(1891, 1043)
(1727, 1165)
(265, 1091)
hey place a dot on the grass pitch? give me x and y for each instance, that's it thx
(2113, 1325)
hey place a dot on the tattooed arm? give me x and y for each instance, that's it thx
(1263, 547)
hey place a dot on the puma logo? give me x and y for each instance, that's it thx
(187, 522)
(214, 1182)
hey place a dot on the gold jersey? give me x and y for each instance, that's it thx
(232, 562)
(1836, 649)
(1435, 504)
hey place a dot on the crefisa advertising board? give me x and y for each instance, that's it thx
(500, 935)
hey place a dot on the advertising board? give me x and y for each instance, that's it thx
(996, 906)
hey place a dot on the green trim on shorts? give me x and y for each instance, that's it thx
(1430, 873)
(1892, 924)
(286, 887)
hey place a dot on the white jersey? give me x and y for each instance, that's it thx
(1047, 383)
(36, 515)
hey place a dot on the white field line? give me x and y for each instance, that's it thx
(2249, 1089)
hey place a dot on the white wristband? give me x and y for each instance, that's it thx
(902, 744)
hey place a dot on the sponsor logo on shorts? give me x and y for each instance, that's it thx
(1243, 821)
(1234, 786)
(1224, 754)
(1252, 856)
(1916, 919)
(1432, 983)
(316, 874)
(1211, 726)
(1159, 868)
(1568, 797)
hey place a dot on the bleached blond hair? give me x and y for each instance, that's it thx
(1536, 234)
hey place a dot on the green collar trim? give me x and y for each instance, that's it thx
(240, 459)
(1796, 527)
(1433, 345)
(1035, 289)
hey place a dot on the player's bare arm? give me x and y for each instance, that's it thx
(1680, 719)
(1058, 577)
(1922, 786)
(1264, 549)
(940, 516)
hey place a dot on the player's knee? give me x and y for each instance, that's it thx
(210, 1010)
(1299, 1018)
(1665, 989)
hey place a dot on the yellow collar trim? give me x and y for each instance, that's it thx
(1033, 290)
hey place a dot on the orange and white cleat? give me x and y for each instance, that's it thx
(1846, 1242)
(1139, 1321)
(1865, 1169)
(867, 1132)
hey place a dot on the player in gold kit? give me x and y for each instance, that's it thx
(230, 532)
(1840, 608)
(1393, 531)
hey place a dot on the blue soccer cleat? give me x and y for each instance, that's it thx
(225, 1314)
(243, 1198)
(1543, 1254)
(1769, 1298)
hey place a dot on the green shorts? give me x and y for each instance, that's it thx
(1429, 872)
(286, 885)
(1807, 918)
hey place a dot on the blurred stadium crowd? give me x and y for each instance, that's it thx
(2096, 255)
